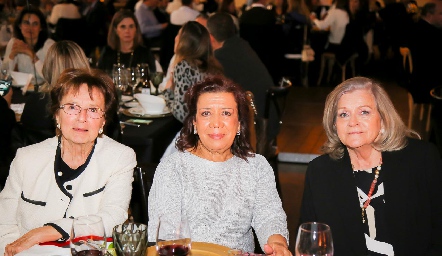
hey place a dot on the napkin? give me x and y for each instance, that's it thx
(48, 250)
(28, 82)
(18, 108)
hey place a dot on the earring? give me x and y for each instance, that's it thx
(194, 130)
(238, 133)
(58, 126)
(382, 131)
(100, 131)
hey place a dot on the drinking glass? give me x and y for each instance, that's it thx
(130, 239)
(119, 76)
(133, 78)
(173, 235)
(88, 236)
(314, 239)
(156, 78)
(143, 78)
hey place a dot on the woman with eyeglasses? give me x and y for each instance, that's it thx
(26, 51)
(77, 173)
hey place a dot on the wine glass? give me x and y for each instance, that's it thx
(88, 236)
(133, 78)
(143, 78)
(314, 239)
(156, 78)
(173, 235)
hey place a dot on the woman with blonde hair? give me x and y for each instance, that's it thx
(376, 186)
(125, 44)
(37, 121)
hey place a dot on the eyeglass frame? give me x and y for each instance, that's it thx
(81, 109)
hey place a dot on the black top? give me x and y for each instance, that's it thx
(141, 54)
(412, 181)
(36, 113)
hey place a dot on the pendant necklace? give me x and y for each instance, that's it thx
(370, 192)
(130, 60)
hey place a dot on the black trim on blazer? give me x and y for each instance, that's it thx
(94, 192)
(32, 201)
(65, 235)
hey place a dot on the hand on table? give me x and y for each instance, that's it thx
(35, 236)
(277, 246)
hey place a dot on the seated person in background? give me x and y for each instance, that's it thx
(125, 44)
(183, 14)
(217, 182)
(47, 181)
(239, 61)
(377, 187)
(37, 121)
(336, 21)
(425, 39)
(160, 12)
(150, 28)
(64, 9)
(97, 18)
(7, 120)
(26, 51)
(193, 61)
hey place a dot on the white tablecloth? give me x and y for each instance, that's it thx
(47, 250)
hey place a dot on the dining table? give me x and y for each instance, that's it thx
(197, 249)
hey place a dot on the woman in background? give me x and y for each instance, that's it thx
(37, 121)
(125, 44)
(27, 50)
(194, 60)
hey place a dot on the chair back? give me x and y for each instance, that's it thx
(168, 44)
(252, 114)
(143, 179)
(75, 30)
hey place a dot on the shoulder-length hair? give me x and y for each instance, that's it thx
(42, 36)
(62, 55)
(112, 38)
(72, 79)
(195, 47)
(395, 132)
(241, 146)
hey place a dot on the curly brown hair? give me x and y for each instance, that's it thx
(241, 146)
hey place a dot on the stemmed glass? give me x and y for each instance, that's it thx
(314, 239)
(156, 78)
(88, 236)
(173, 235)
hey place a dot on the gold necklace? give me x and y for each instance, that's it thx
(130, 60)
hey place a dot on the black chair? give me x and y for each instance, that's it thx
(168, 44)
(143, 178)
(75, 30)
(274, 110)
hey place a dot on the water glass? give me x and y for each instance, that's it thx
(88, 236)
(156, 78)
(173, 235)
(314, 239)
(130, 239)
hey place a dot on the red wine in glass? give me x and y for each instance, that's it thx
(173, 250)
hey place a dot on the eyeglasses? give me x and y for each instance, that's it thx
(74, 109)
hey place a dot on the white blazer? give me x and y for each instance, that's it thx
(32, 197)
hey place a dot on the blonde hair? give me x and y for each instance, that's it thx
(62, 55)
(395, 132)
